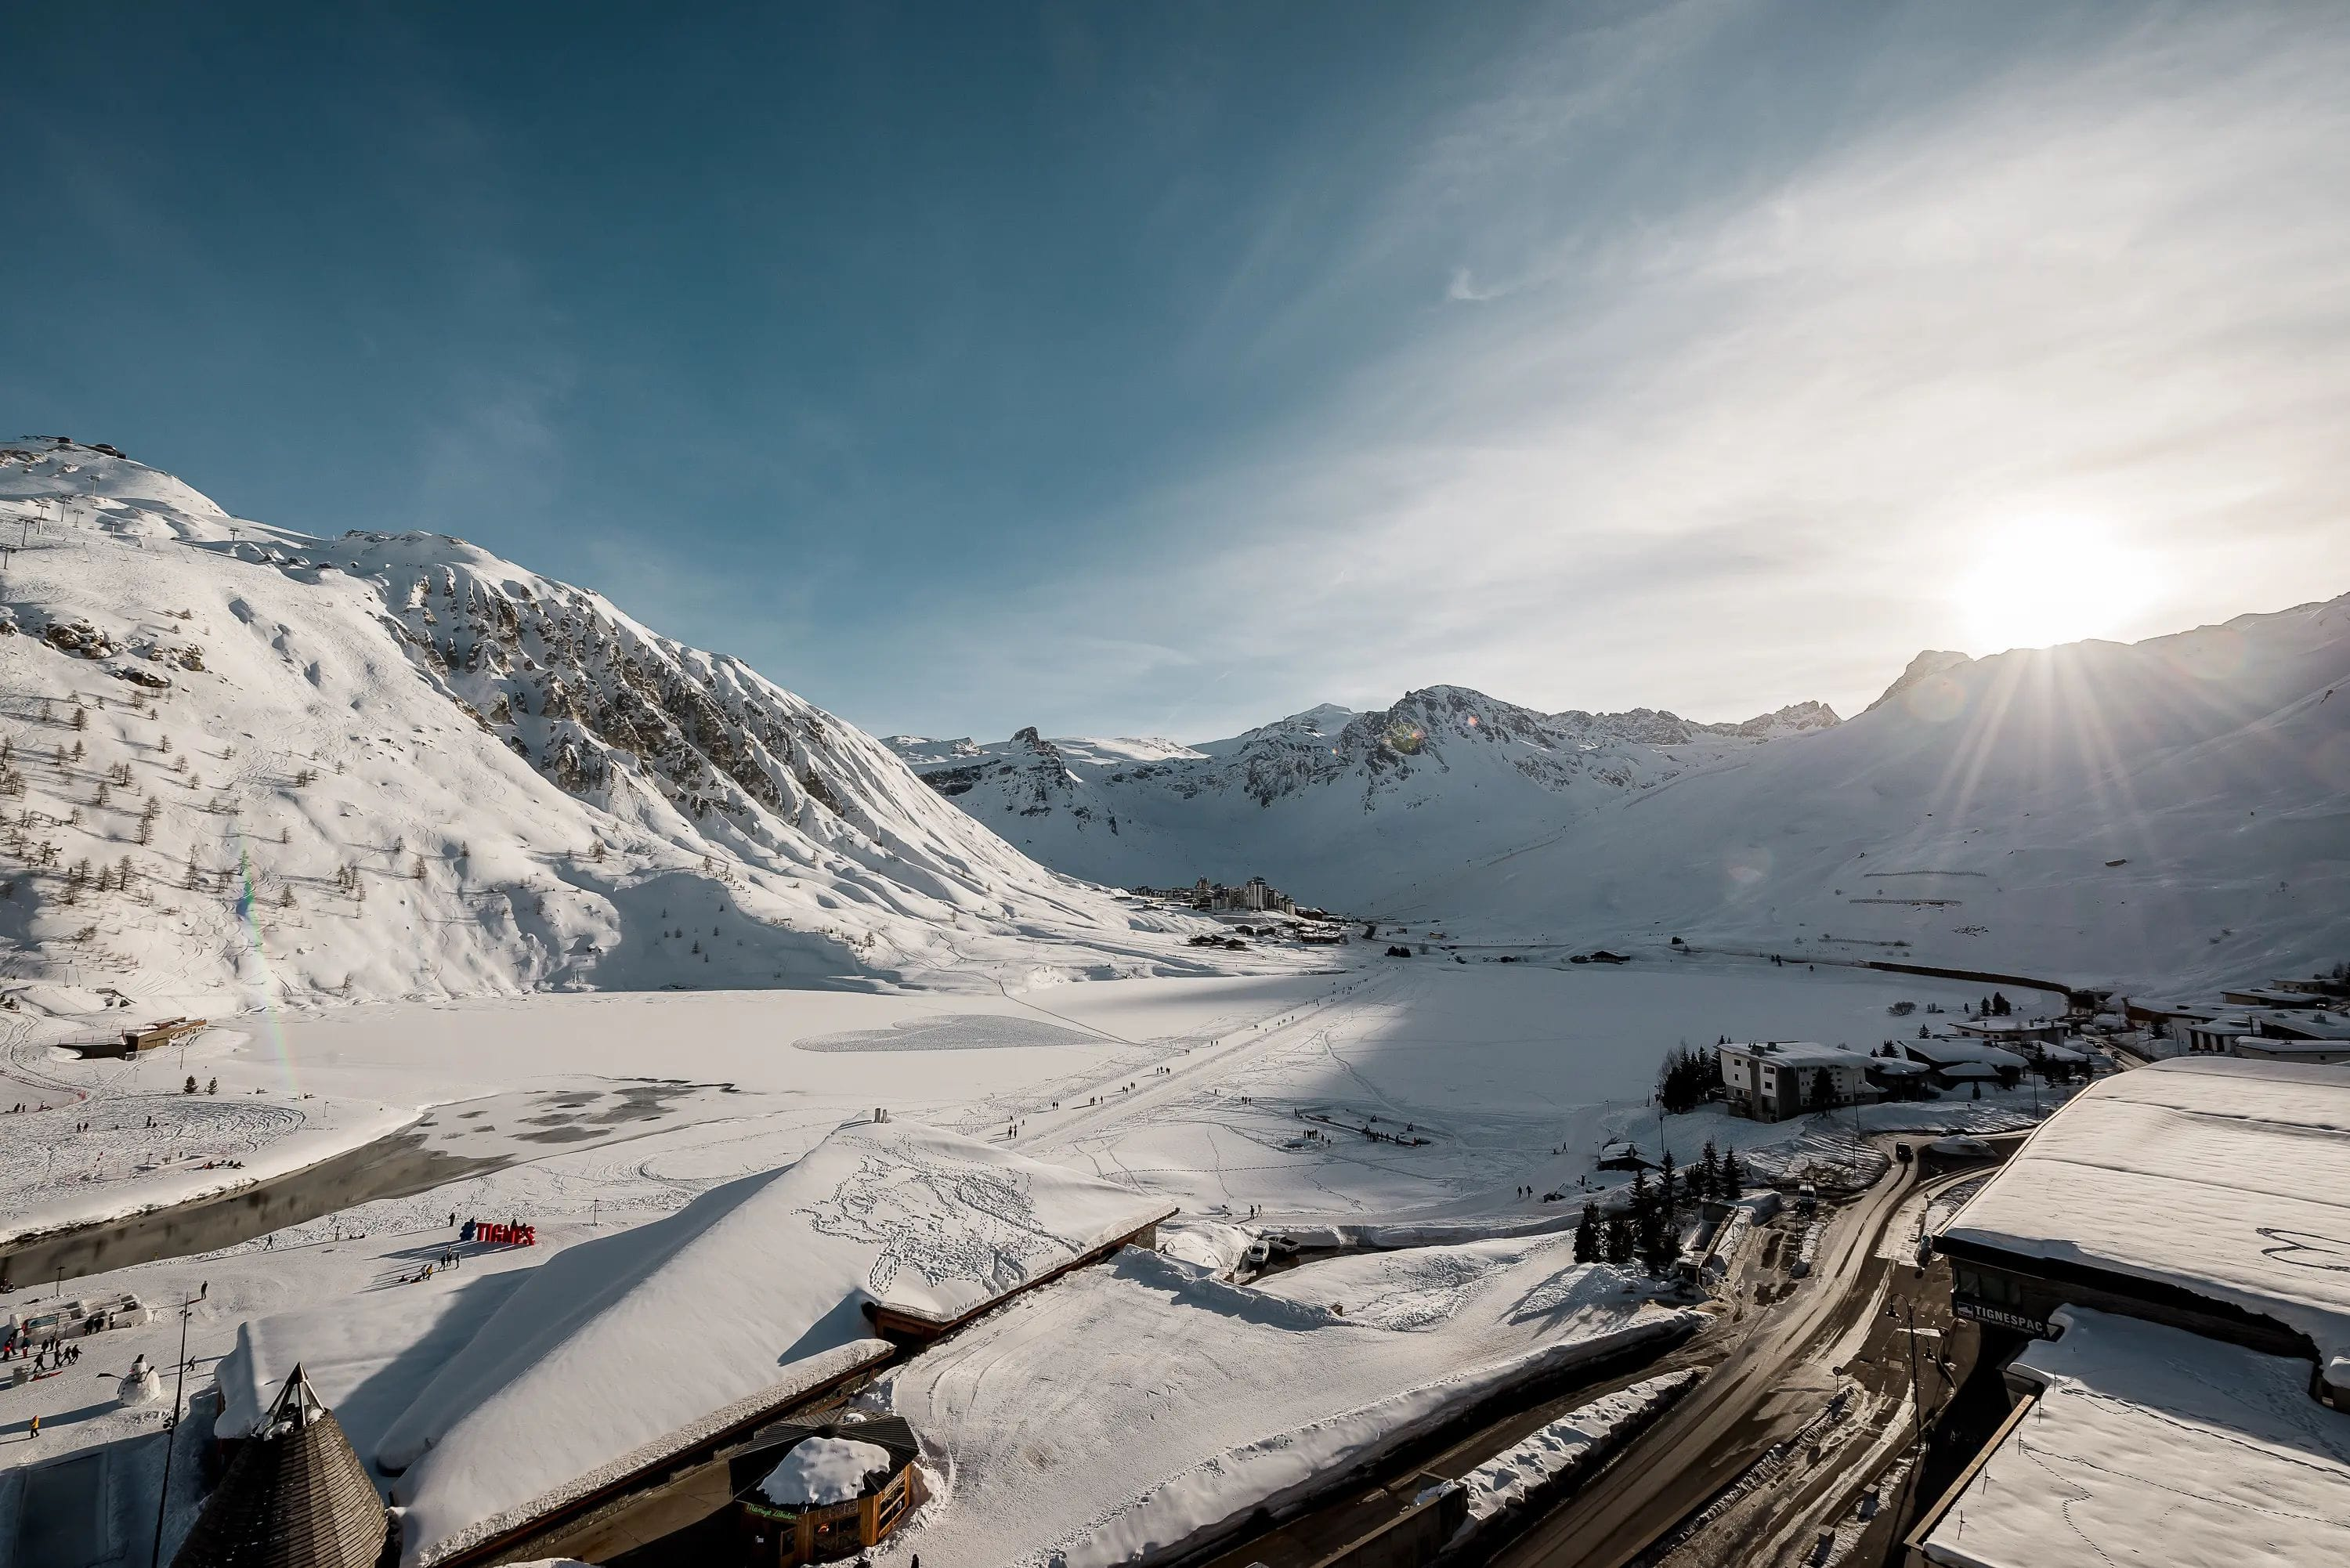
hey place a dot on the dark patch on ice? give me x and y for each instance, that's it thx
(953, 1032)
(565, 1134)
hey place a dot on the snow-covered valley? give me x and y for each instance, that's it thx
(764, 1028)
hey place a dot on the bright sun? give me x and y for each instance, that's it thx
(2051, 580)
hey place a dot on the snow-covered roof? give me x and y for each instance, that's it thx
(2317, 1025)
(353, 1352)
(613, 1347)
(820, 1470)
(1941, 1052)
(2271, 1045)
(2224, 1176)
(1996, 1025)
(2151, 1445)
(1799, 1054)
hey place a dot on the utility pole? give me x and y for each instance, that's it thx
(171, 1428)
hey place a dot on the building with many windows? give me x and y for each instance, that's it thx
(1775, 1079)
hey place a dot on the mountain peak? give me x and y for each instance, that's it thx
(1925, 667)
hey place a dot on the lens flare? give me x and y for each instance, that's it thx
(248, 916)
(1938, 699)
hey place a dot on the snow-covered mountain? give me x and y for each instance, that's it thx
(1334, 805)
(240, 759)
(2165, 814)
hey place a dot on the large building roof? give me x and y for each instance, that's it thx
(1799, 1054)
(2225, 1178)
(2151, 1445)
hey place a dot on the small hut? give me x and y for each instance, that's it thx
(813, 1493)
(296, 1496)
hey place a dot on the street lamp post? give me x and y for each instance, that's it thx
(172, 1428)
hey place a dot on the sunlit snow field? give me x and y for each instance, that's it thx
(1513, 1074)
(603, 1111)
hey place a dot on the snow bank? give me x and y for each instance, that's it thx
(1574, 1442)
(1209, 1244)
(2149, 1444)
(610, 1347)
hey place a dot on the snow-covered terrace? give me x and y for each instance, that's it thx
(2226, 1178)
(2151, 1445)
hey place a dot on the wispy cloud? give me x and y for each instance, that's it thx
(1742, 451)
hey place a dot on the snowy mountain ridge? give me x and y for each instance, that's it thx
(1154, 810)
(243, 758)
(2159, 814)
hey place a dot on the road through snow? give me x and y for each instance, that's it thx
(1773, 1380)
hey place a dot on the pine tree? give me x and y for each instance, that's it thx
(1734, 1178)
(1589, 1244)
(1669, 1191)
(1660, 1247)
(1617, 1241)
(1708, 1183)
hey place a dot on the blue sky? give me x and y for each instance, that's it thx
(1165, 369)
